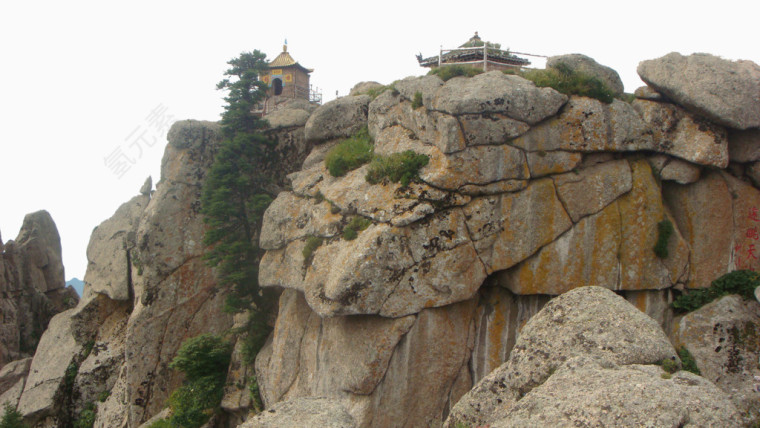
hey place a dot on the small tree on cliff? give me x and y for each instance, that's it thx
(234, 196)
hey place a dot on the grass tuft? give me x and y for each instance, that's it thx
(563, 79)
(398, 167)
(741, 282)
(350, 153)
(447, 72)
(664, 231)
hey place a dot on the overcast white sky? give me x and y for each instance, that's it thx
(79, 77)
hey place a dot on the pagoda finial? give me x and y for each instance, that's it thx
(285, 46)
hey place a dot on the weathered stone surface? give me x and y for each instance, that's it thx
(147, 186)
(678, 133)
(108, 252)
(362, 88)
(303, 412)
(724, 338)
(290, 217)
(12, 381)
(612, 248)
(655, 303)
(724, 91)
(674, 169)
(500, 317)
(703, 213)
(584, 64)
(390, 372)
(490, 130)
(425, 85)
(338, 118)
(287, 118)
(647, 93)
(99, 370)
(589, 322)
(57, 349)
(588, 125)
(584, 392)
(546, 163)
(12, 372)
(589, 190)
(744, 146)
(496, 92)
(505, 229)
(435, 128)
(32, 285)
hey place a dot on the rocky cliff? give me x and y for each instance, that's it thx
(32, 286)
(444, 307)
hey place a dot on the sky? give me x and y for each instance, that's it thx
(82, 82)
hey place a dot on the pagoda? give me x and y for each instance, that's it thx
(476, 53)
(286, 80)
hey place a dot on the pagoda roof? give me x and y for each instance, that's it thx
(285, 60)
(470, 53)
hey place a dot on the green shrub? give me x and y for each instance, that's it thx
(70, 375)
(312, 243)
(161, 423)
(669, 365)
(12, 418)
(398, 167)
(350, 153)
(664, 231)
(354, 226)
(202, 355)
(569, 82)
(687, 361)
(204, 360)
(253, 388)
(103, 396)
(417, 101)
(377, 91)
(741, 282)
(86, 418)
(447, 72)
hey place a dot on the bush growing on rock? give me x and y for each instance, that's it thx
(398, 167)
(664, 230)
(354, 226)
(350, 153)
(447, 72)
(12, 418)
(204, 360)
(741, 282)
(562, 79)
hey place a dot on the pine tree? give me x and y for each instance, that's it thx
(234, 196)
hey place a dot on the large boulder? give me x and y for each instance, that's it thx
(584, 392)
(724, 338)
(724, 91)
(584, 64)
(110, 252)
(32, 286)
(590, 322)
(496, 92)
(338, 118)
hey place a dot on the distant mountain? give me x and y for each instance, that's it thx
(78, 285)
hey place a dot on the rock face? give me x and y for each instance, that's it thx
(303, 412)
(574, 363)
(724, 338)
(32, 285)
(584, 64)
(527, 194)
(443, 306)
(725, 92)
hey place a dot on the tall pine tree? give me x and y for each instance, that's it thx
(235, 193)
